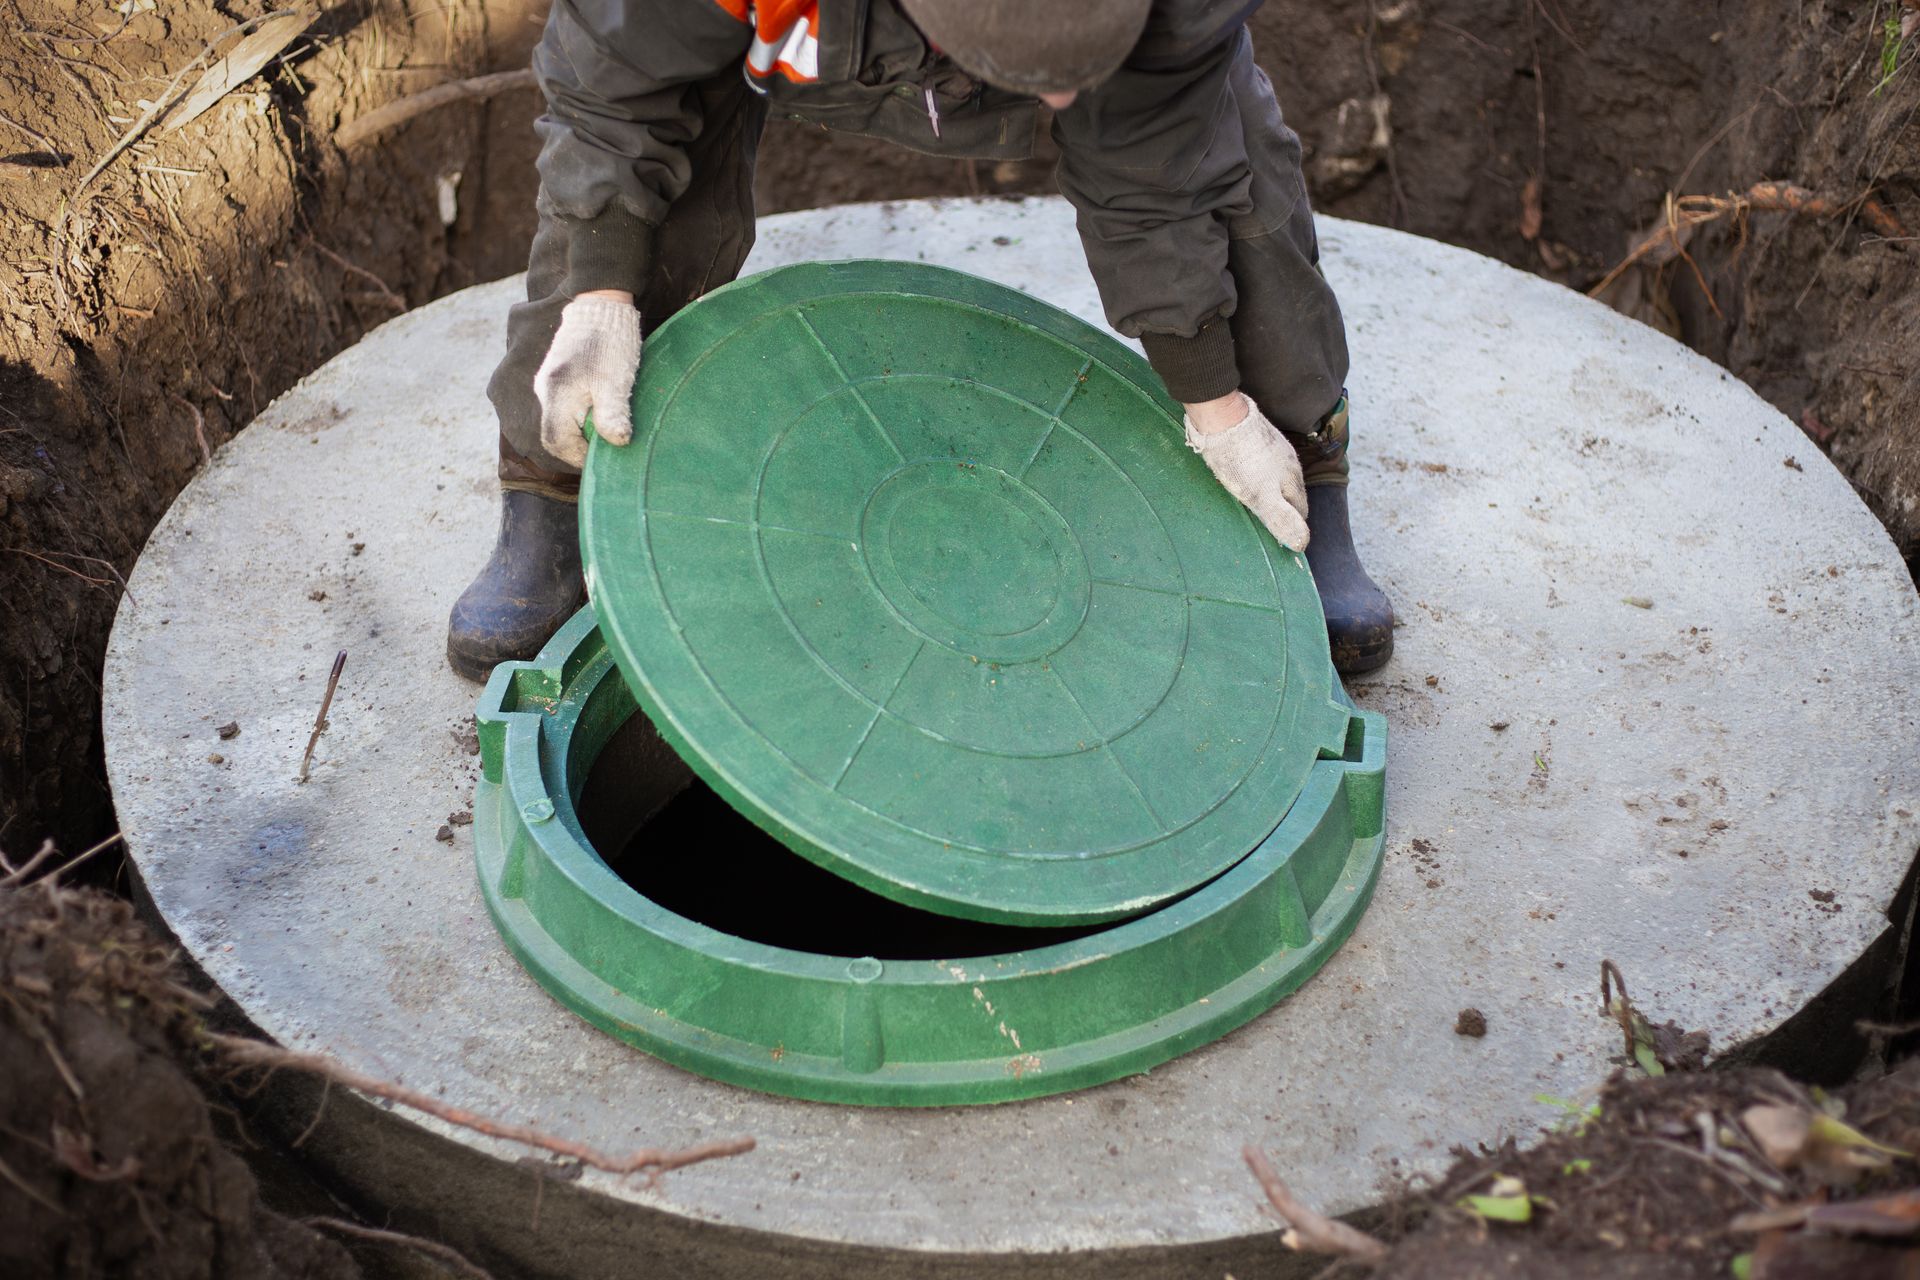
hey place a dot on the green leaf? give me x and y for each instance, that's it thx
(1644, 1055)
(1515, 1209)
(1741, 1266)
(1838, 1133)
(1889, 53)
(1582, 1165)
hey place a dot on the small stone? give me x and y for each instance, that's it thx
(1820, 895)
(1638, 602)
(316, 595)
(1499, 726)
(1793, 463)
(1471, 1022)
(216, 758)
(358, 547)
(1433, 682)
(444, 835)
(460, 819)
(229, 730)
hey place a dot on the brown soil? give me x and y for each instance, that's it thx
(148, 317)
(109, 1162)
(112, 1165)
(1633, 1191)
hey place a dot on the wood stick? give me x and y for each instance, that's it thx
(320, 721)
(82, 858)
(401, 110)
(649, 1160)
(1308, 1230)
(19, 875)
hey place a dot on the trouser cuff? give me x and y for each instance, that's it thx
(528, 475)
(1323, 451)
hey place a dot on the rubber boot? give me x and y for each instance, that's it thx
(1359, 616)
(531, 585)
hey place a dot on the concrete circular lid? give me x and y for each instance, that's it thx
(1525, 462)
(919, 573)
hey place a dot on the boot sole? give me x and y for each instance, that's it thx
(469, 668)
(1359, 659)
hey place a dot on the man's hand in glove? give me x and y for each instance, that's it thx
(1253, 462)
(589, 366)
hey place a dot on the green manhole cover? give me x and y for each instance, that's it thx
(918, 573)
(935, 1011)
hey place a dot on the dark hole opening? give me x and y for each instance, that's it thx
(693, 854)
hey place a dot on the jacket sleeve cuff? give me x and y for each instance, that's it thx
(1195, 369)
(611, 251)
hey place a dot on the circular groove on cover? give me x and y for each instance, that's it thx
(919, 574)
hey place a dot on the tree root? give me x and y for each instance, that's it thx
(1308, 1230)
(652, 1161)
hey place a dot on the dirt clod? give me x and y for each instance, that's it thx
(1471, 1022)
(115, 1166)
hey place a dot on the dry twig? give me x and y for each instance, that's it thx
(386, 294)
(46, 144)
(172, 94)
(320, 721)
(86, 856)
(26, 1189)
(401, 110)
(43, 558)
(19, 876)
(452, 1257)
(1309, 1231)
(199, 428)
(651, 1161)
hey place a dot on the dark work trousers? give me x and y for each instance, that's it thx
(1289, 340)
(1288, 337)
(707, 234)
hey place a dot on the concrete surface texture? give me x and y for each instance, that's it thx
(1655, 699)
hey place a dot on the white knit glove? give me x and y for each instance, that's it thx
(1255, 464)
(590, 365)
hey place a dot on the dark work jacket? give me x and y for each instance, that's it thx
(1154, 160)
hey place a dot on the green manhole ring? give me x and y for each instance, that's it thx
(852, 1028)
(918, 573)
